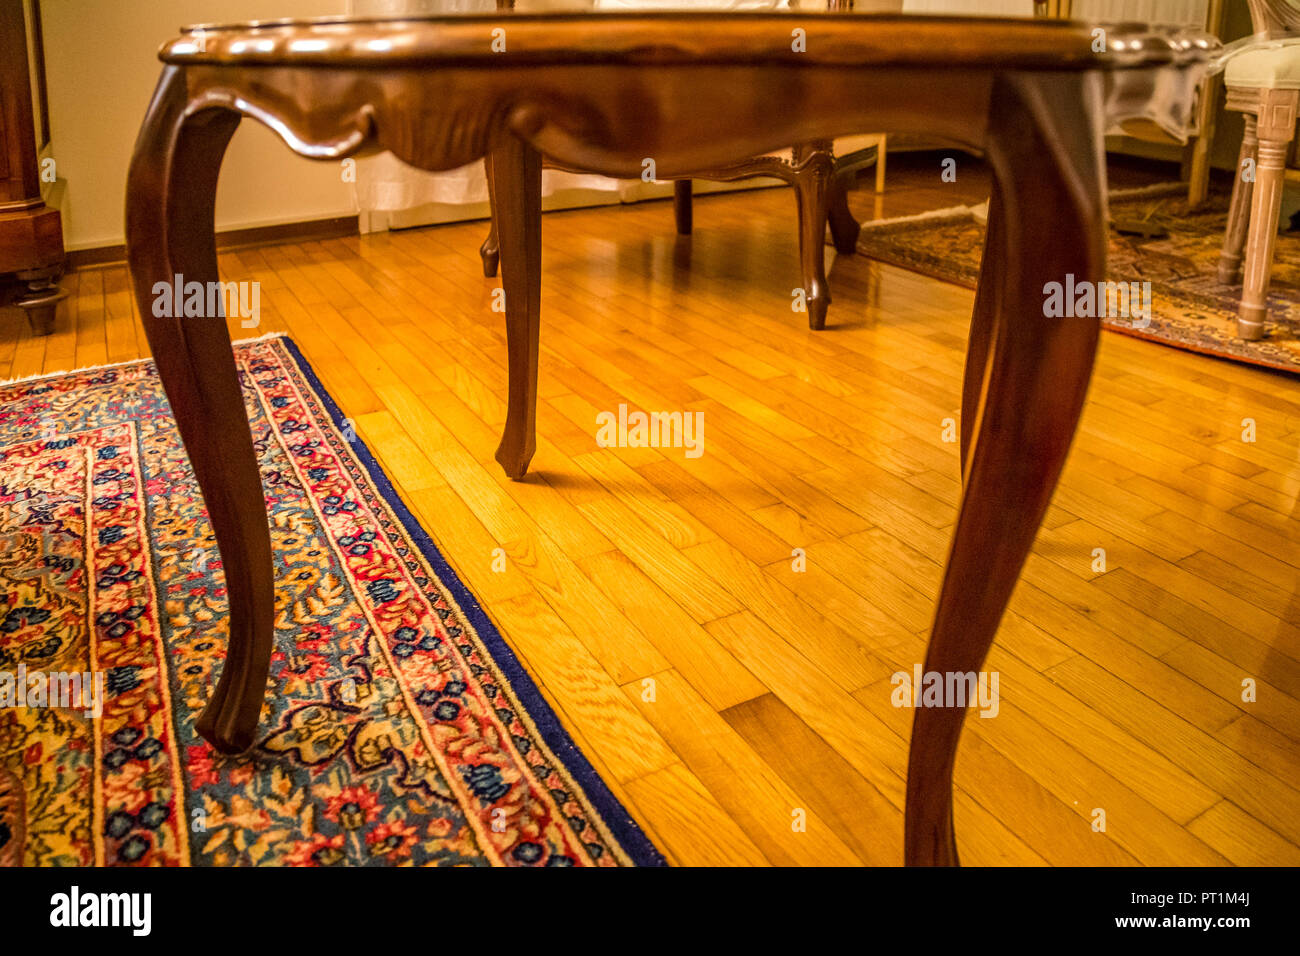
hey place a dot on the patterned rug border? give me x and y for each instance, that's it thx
(26, 379)
(614, 815)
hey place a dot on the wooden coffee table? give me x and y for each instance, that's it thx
(694, 92)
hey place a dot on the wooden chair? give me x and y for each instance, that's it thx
(820, 183)
(1263, 82)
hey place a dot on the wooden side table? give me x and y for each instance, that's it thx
(695, 92)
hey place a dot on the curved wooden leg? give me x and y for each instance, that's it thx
(1276, 127)
(844, 228)
(1243, 189)
(811, 190)
(490, 251)
(171, 190)
(516, 178)
(983, 319)
(683, 210)
(1045, 147)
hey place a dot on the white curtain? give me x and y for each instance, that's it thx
(391, 193)
(1139, 11)
(386, 185)
(1181, 12)
(972, 8)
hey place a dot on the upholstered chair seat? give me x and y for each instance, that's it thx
(1275, 67)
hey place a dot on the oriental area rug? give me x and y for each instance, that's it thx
(1189, 308)
(399, 728)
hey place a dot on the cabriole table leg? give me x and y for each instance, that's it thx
(1024, 391)
(171, 190)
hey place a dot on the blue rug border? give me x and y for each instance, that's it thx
(626, 830)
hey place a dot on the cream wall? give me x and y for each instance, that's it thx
(101, 64)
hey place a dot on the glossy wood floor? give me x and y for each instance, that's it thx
(726, 696)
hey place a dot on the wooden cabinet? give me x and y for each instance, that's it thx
(31, 234)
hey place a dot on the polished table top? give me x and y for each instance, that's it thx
(563, 73)
(833, 38)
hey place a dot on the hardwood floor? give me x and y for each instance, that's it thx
(727, 697)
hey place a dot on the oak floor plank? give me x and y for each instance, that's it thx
(1243, 839)
(1268, 798)
(1047, 826)
(61, 347)
(693, 829)
(826, 781)
(628, 744)
(709, 667)
(766, 806)
(846, 726)
(92, 345)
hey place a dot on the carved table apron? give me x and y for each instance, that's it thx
(603, 92)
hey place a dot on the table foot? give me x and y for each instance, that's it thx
(818, 306)
(683, 207)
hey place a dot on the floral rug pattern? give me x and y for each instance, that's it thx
(398, 728)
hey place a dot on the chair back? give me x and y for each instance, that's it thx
(1274, 18)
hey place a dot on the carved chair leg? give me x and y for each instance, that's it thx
(1034, 375)
(1198, 169)
(811, 190)
(490, 251)
(683, 210)
(1243, 188)
(1276, 127)
(171, 188)
(516, 177)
